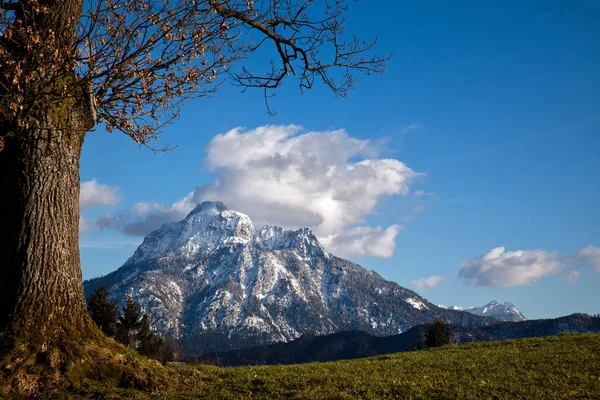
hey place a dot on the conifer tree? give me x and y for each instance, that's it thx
(437, 334)
(103, 311)
(148, 343)
(129, 323)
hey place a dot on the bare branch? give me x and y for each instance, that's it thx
(299, 42)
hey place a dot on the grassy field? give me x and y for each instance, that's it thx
(565, 367)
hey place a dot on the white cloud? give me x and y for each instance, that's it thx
(363, 241)
(573, 276)
(283, 175)
(509, 268)
(144, 217)
(589, 256)
(278, 174)
(429, 282)
(411, 128)
(414, 213)
(421, 193)
(92, 193)
(523, 267)
(86, 225)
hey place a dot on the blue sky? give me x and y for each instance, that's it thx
(495, 104)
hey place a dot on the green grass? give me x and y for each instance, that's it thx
(562, 367)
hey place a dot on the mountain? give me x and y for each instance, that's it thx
(217, 282)
(498, 310)
(348, 345)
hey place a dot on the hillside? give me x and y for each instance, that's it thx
(349, 345)
(558, 367)
(334, 347)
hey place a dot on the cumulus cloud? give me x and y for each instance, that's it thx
(509, 268)
(429, 282)
(92, 193)
(523, 267)
(363, 241)
(286, 176)
(277, 172)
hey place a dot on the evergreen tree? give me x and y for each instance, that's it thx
(437, 334)
(129, 323)
(148, 343)
(103, 312)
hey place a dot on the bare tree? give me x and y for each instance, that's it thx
(68, 65)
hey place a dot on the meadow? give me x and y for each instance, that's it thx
(557, 367)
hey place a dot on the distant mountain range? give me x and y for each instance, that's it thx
(498, 310)
(217, 282)
(348, 345)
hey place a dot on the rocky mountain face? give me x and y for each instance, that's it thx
(216, 282)
(503, 311)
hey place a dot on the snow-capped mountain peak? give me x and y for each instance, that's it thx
(208, 206)
(211, 225)
(498, 310)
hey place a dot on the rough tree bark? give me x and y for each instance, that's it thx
(43, 316)
(41, 288)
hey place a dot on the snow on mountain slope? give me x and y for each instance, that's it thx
(498, 310)
(216, 282)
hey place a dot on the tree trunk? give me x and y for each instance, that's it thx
(44, 325)
(41, 292)
(48, 343)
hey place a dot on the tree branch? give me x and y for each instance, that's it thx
(139, 61)
(10, 6)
